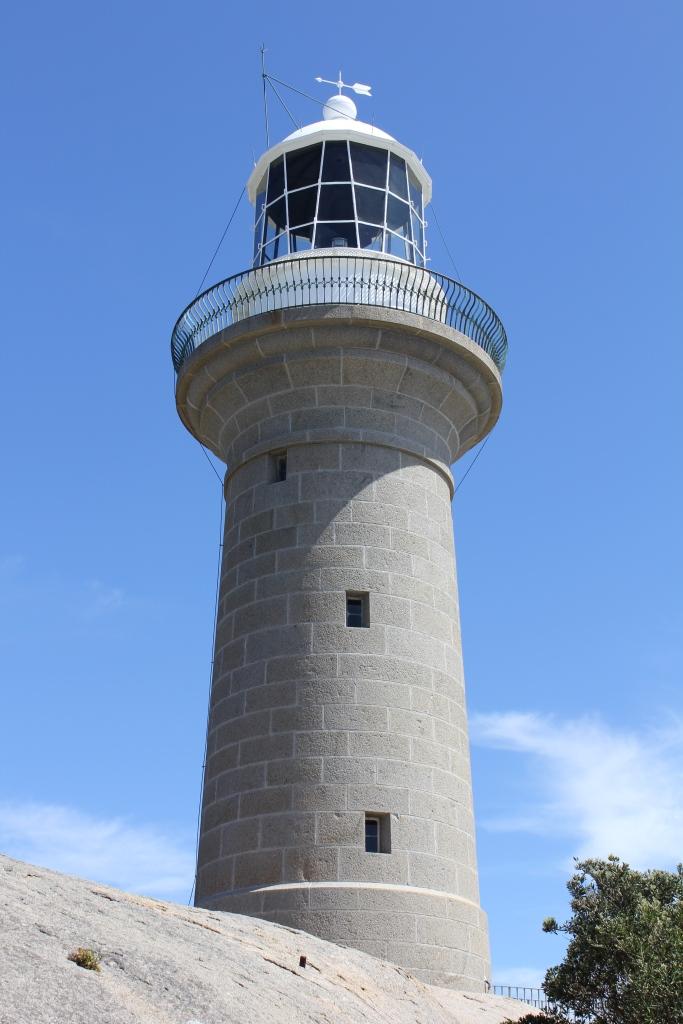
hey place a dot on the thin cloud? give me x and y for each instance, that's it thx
(609, 791)
(26, 596)
(109, 850)
(100, 599)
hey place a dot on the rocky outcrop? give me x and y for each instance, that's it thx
(163, 963)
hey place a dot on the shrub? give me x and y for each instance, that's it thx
(624, 960)
(87, 958)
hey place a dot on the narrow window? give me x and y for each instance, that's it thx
(377, 833)
(357, 610)
(371, 834)
(278, 467)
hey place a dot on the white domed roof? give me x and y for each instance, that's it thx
(336, 124)
(339, 128)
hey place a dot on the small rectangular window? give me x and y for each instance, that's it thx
(377, 833)
(278, 467)
(357, 610)
(371, 835)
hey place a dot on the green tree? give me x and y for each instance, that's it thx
(624, 960)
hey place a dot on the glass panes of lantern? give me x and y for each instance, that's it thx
(339, 194)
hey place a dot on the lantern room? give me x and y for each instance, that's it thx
(339, 183)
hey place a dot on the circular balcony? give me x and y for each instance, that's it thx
(338, 278)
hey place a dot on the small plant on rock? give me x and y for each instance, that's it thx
(87, 958)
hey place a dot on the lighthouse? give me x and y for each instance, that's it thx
(338, 378)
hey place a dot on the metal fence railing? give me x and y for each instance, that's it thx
(356, 280)
(533, 996)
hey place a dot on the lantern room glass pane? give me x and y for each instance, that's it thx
(418, 232)
(369, 165)
(276, 218)
(397, 246)
(303, 166)
(258, 235)
(276, 179)
(397, 176)
(261, 196)
(370, 237)
(339, 194)
(398, 216)
(278, 247)
(301, 238)
(336, 162)
(336, 203)
(328, 236)
(302, 205)
(370, 204)
(415, 193)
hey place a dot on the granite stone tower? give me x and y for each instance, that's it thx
(339, 379)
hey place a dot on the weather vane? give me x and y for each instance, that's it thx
(357, 87)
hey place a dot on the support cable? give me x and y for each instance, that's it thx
(445, 243)
(471, 465)
(287, 110)
(307, 96)
(208, 703)
(210, 461)
(222, 239)
(457, 274)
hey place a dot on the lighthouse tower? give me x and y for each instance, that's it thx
(339, 379)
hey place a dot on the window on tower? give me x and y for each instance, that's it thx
(357, 609)
(377, 833)
(278, 467)
(339, 194)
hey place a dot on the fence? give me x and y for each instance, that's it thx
(356, 280)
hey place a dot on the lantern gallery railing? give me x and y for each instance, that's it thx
(337, 278)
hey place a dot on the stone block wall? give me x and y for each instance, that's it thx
(313, 723)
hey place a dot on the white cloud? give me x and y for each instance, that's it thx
(27, 595)
(109, 850)
(101, 599)
(609, 791)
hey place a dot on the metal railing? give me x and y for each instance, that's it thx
(355, 280)
(533, 996)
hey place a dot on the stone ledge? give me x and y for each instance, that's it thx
(391, 377)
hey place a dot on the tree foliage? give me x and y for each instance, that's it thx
(624, 961)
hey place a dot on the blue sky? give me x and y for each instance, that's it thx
(552, 135)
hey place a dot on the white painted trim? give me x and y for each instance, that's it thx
(338, 130)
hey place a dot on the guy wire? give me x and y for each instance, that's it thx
(208, 703)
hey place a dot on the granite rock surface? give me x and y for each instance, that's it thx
(163, 963)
